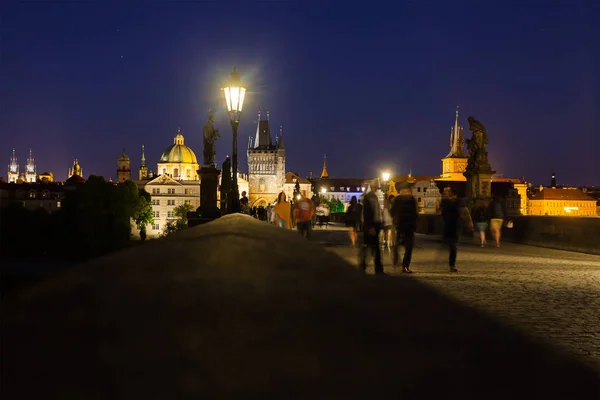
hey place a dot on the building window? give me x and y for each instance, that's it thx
(155, 227)
(164, 171)
(187, 173)
(419, 199)
(46, 194)
(189, 191)
(169, 214)
(156, 214)
(58, 204)
(188, 202)
(156, 191)
(176, 172)
(170, 191)
(418, 189)
(170, 202)
(156, 202)
(32, 194)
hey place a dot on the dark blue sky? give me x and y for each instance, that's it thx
(372, 84)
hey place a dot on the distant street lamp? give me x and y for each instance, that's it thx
(235, 93)
(385, 177)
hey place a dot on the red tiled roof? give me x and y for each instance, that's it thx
(561, 194)
(290, 176)
(413, 178)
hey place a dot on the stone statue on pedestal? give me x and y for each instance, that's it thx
(210, 136)
(479, 171)
(477, 146)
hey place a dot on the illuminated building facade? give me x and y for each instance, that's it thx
(266, 165)
(569, 202)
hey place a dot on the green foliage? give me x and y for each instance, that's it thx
(335, 205)
(143, 214)
(180, 220)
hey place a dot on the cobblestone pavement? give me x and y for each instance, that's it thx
(551, 294)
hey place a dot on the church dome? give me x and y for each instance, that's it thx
(178, 152)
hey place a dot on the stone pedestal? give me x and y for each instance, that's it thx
(479, 185)
(209, 181)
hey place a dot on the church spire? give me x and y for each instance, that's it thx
(324, 173)
(13, 168)
(143, 171)
(456, 139)
(553, 180)
(30, 175)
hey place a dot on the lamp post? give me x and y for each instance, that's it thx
(385, 177)
(235, 93)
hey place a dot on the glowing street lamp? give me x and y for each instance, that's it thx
(235, 93)
(385, 176)
(323, 190)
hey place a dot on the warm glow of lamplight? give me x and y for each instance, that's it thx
(298, 197)
(323, 190)
(385, 176)
(235, 93)
(569, 209)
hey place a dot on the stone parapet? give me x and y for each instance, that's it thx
(579, 234)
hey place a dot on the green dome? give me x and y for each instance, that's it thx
(178, 152)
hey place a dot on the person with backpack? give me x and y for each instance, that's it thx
(497, 214)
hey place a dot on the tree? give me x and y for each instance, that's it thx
(179, 221)
(143, 214)
(335, 205)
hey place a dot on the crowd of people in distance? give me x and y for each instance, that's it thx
(388, 226)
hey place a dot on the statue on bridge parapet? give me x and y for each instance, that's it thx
(479, 171)
(477, 146)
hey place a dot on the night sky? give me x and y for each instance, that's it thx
(372, 84)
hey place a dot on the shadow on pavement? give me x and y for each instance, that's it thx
(236, 308)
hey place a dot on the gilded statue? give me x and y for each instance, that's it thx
(210, 136)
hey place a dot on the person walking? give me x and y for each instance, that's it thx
(304, 210)
(404, 214)
(387, 223)
(480, 217)
(372, 221)
(455, 214)
(497, 213)
(352, 219)
(282, 212)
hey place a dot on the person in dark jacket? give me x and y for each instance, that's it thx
(352, 218)
(455, 214)
(404, 214)
(372, 220)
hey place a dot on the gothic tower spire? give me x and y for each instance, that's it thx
(324, 173)
(30, 173)
(143, 171)
(553, 180)
(13, 168)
